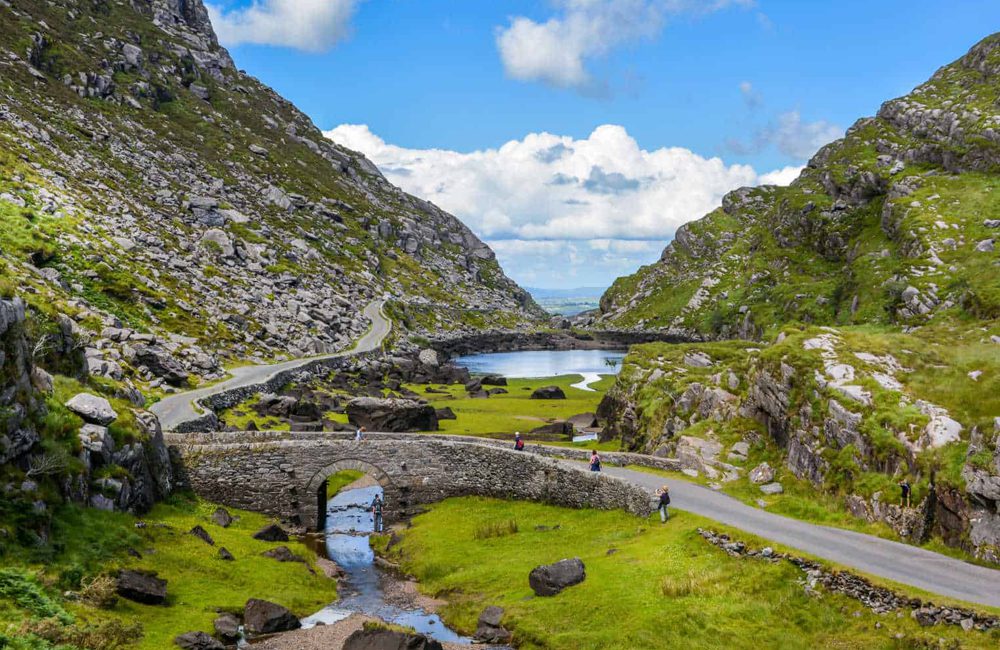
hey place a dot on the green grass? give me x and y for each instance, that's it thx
(340, 480)
(661, 587)
(514, 411)
(199, 584)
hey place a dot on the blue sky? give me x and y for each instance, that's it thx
(655, 107)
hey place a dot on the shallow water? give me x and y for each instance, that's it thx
(544, 363)
(349, 523)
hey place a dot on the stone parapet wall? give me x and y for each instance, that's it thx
(283, 474)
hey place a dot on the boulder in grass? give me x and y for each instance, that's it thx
(283, 554)
(550, 579)
(446, 414)
(271, 533)
(263, 617)
(392, 415)
(494, 380)
(221, 517)
(93, 409)
(224, 554)
(548, 392)
(202, 534)
(141, 587)
(376, 639)
(198, 641)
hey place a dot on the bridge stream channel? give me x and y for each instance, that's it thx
(366, 588)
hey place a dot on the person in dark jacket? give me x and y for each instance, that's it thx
(377, 505)
(664, 494)
(518, 442)
(904, 493)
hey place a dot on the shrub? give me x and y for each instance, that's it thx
(28, 595)
(100, 592)
(495, 529)
(107, 635)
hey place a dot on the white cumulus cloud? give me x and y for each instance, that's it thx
(309, 25)
(791, 135)
(599, 205)
(556, 51)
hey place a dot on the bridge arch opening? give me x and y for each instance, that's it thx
(318, 495)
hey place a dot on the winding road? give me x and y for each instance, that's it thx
(180, 408)
(895, 561)
(902, 563)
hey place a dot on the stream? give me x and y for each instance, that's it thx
(531, 364)
(349, 523)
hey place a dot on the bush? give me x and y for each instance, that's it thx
(28, 595)
(107, 635)
(495, 529)
(100, 592)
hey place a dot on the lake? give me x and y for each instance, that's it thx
(589, 364)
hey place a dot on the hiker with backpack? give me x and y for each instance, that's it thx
(595, 461)
(518, 442)
(377, 505)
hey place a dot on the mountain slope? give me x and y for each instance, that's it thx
(896, 222)
(869, 290)
(172, 204)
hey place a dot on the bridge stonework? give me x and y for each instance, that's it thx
(284, 474)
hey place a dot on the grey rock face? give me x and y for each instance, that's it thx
(263, 617)
(93, 409)
(159, 362)
(550, 579)
(227, 627)
(392, 415)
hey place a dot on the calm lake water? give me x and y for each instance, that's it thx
(543, 363)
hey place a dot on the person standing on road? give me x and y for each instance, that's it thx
(377, 505)
(664, 495)
(518, 442)
(595, 461)
(904, 493)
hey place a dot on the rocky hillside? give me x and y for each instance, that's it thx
(895, 223)
(183, 215)
(865, 304)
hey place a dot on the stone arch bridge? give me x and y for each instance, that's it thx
(284, 474)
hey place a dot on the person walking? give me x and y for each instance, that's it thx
(359, 435)
(664, 494)
(595, 461)
(518, 442)
(904, 493)
(377, 505)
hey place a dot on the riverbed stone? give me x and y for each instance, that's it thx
(198, 641)
(551, 579)
(375, 639)
(227, 627)
(490, 629)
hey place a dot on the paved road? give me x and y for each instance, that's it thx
(895, 561)
(179, 408)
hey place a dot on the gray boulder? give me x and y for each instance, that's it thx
(392, 415)
(93, 409)
(159, 362)
(550, 579)
(198, 641)
(227, 627)
(141, 587)
(489, 628)
(202, 534)
(772, 488)
(271, 533)
(263, 617)
(763, 473)
(548, 392)
(221, 517)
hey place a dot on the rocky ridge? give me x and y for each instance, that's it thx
(181, 214)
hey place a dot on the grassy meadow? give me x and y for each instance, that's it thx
(648, 585)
